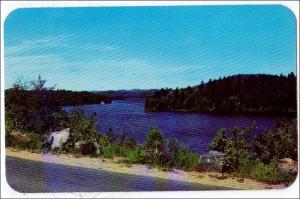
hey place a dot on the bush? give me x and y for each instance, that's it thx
(109, 151)
(83, 129)
(187, 160)
(136, 155)
(154, 145)
(180, 157)
(237, 146)
(127, 143)
(17, 139)
(263, 172)
(241, 148)
(36, 142)
(11, 125)
(32, 106)
(29, 141)
(279, 143)
(266, 172)
(219, 141)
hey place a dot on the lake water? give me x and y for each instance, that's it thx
(195, 130)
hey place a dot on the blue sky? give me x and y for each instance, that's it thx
(147, 47)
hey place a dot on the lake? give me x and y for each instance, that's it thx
(196, 130)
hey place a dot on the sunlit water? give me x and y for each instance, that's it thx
(195, 130)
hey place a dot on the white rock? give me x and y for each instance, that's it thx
(58, 138)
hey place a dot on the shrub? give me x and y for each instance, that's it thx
(242, 148)
(155, 151)
(263, 172)
(83, 129)
(128, 143)
(219, 141)
(180, 157)
(36, 142)
(154, 144)
(28, 140)
(32, 105)
(17, 139)
(11, 125)
(109, 151)
(136, 155)
(279, 143)
(110, 136)
(188, 160)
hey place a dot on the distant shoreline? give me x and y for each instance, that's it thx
(112, 165)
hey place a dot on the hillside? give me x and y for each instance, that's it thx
(259, 94)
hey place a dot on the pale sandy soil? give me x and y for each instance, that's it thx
(112, 165)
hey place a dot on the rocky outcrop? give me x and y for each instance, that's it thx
(211, 161)
(212, 157)
(288, 165)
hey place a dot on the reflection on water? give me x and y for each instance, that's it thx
(195, 130)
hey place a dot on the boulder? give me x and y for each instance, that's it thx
(91, 148)
(288, 165)
(58, 138)
(212, 157)
(211, 161)
(78, 145)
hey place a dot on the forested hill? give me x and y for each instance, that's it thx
(271, 95)
(61, 97)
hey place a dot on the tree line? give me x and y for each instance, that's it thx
(36, 107)
(261, 94)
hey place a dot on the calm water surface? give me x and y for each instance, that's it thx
(196, 130)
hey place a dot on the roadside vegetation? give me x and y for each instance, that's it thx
(258, 157)
(30, 118)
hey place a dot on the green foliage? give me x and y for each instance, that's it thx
(179, 156)
(237, 145)
(263, 172)
(109, 151)
(279, 143)
(32, 106)
(126, 142)
(267, 173)
(187, 160)
(83, 129)
(219, 141)
(136, 155)
(154, 143)
(25, 140)
(36, 142)
(37, 108)
(240, 94)
(256, 156)
(154, 146)
(12, 125)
